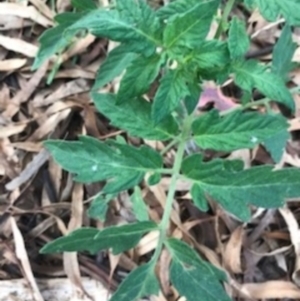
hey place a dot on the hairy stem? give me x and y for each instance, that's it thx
(227, 11)
(164, 224)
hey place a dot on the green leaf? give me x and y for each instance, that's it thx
(139, 207)
(191, 27)
(140, 283)
(68, 18)
(283, 53)
(176, 7)
(137, 119)
(199, 197)
(119, 238)
(238, 40)
(92, 161)
(249, 3)
(52, 41)
(109, 24)
(171, 91)
(84, 5)
(289, 9)
(139, 76)
(117, 60)
(210, 54)
(142, 36)
(250, 74)
(235, 130)
(235, 189)
(99, 206)
(276, 144)
(192, 276)
(191, 101)
(154, 179)
(140, 13)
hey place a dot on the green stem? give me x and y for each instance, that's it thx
(164, 224)
(166, 171)
(168, 147)
(227, 10)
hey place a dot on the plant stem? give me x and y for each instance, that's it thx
(164, 224)
(169, 146)
(226, 12)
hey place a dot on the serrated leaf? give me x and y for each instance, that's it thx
(84, 5)
(137, 120)
(235, 130)
(140, 13)
(139, 76)
(250, 74)
(171, 91)
(276, 144)
(109, 24)
(235, 189)
(238, 40)
(176, 7)
(124, 166)
(283, 53)
(52, 40)
(198, 198)
(140, 283)
(117, 60)
(139, 207)
(129, 9)
(210, 54)
(191, 101)
(119, 238)
(103, 23)
(192, 276)
(99, 206)
(190, 27)
(289, 9)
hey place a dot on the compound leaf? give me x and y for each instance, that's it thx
(235, 189)
(235, 130)
(139, 76)
(172, 90)
(137, 120)
(238, 40)
(190, 27)
(119, 238)
(192, 276)
(117, 60)
(283, 53)
(140, 36)
(250, 74)
(110, 24)
(140, 283)
(92, 161)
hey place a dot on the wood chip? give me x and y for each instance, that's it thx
(29, 12)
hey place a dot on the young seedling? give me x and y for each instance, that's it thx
(170, 45)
